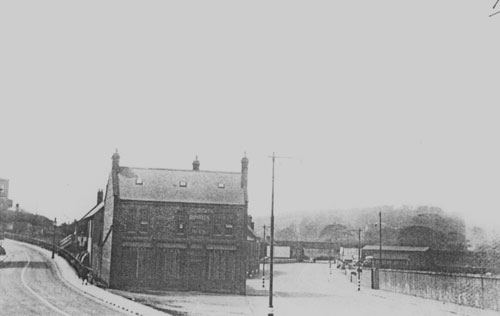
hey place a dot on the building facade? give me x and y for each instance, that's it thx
(253, 250)
(89, 236)
(5, 202)
(169, 229)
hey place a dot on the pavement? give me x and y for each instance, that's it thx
(35, 284)
(304, 289)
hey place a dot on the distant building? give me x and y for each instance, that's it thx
(170, 229)
(5, 203)
(399, 257)
(253, 249)
(89, 236)
(349, 253)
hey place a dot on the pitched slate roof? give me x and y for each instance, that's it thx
(92, 211)
(251, 235)
(395, 248)
(164, 185)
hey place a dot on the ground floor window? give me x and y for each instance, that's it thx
(138, 263)
(221, 265)
(171, 263)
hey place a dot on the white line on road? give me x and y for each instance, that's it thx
(34, 293)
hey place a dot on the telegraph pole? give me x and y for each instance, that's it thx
(264, 261)
(359, 259)
(54, 238)
(271, 311)
(380, 233)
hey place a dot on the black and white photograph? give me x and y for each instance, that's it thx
(250, 158)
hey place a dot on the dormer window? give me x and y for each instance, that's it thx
(138, 181)
(183, 184)
(221, 185)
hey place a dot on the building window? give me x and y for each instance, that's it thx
(219, 223)
(221, 186)
(130, 220)
(223, 224)
(181, 222)
(229, 224)
(143, 220)
(221, 265)
(229, 230)
(145, 268)
(172, 261)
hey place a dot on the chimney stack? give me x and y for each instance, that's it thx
(115, 169)
(100, 196)
(250, 222)
(196, 164)
(244, 172)
(116, 161)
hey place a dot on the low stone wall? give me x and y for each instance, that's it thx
(365, 277)
(474, 290)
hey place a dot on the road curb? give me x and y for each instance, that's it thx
(113, 305)
(110, 303)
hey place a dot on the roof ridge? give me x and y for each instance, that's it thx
(93, 208)
(184, 170)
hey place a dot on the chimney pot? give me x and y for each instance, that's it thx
(196, 164)
(100, 196)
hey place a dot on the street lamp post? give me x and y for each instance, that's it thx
(54, 238)
(264, 261)
(330, 256)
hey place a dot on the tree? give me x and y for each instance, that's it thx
(333, 232)
(308, 230)
(449, 232)
(289, 233)
(420, 236)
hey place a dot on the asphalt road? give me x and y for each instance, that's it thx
(30, 285)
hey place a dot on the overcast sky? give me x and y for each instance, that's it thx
(379, 102)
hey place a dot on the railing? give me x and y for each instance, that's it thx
(81, 270)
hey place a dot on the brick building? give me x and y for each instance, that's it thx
(253, 250)
(89, 236)
(5, 202)
(172, 229)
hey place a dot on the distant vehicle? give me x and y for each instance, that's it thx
(368, 262)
